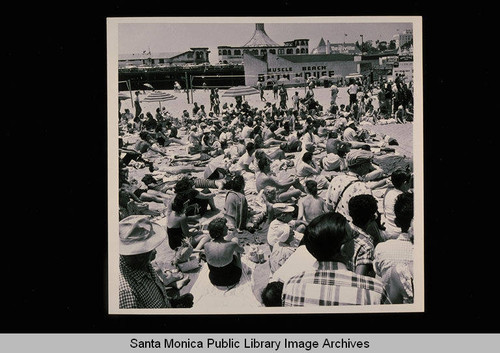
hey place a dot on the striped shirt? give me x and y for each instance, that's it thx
(141, 289)
(331, 285)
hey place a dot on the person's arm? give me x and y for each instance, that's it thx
(157, 150)
(203, 196)
(363, 269)
(185, 227)
(300, 215)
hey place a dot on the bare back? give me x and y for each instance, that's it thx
(220, 253)
(313, 207)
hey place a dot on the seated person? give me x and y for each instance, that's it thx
(309, 170)
(324, 238)
(284, 247)
(223, 256)
(271, 294)
(393, 259)
(284, 190)
(280, 226)
(335, 160)
(236, 205)
(177, 226)
(198, 201)
(310, 206)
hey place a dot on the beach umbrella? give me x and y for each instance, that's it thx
(122, 96)
(148, 85)
(159, 97)
(236, 91)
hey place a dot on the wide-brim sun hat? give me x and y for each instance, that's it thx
(283, 208)
(139, 235)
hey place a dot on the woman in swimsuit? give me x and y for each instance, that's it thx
(177, 226)
(223, 255)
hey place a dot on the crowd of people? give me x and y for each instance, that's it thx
(332, 199)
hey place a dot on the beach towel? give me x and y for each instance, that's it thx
(209, 298)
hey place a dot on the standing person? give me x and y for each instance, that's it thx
(140, 286)
(283, 97)
(331, 284)
(275, 89)
(261, 90)
(353, 91)
(137, 104)
(296, 101)
(216, 107)
(334, 91)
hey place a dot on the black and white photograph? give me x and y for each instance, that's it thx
(263, 165)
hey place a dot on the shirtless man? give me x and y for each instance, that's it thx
(264, 178)
(310, 206)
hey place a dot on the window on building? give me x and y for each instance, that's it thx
(161, 61)
(263, 52)
(224, 52)
(228, 52)
(281, 51)
(297, 51)
(302, 51)
(272, 51)
(289, 51)
(237, 52)
(220, 52)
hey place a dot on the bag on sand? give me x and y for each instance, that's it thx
(183, 252)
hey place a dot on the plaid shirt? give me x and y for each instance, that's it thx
(359, 250)
(332, 284)
(141, 289)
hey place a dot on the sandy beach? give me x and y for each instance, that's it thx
(403, 133)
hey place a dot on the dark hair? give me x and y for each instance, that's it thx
(403, 209)
(307, 157)
(238, 183)
(324, 236)
(272, 294)
(178, 203)
(250, 146)
(216, 227)
(362, 208)
(398, 177)
(262, 163)
(182, 185)
(143, 135)
(312, 187)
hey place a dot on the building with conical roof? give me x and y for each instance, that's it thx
(260, 44)
(260, 38)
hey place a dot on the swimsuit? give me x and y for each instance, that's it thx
(226, 275)
(175, 236)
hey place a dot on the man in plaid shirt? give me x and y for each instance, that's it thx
(332, 283)
(140, 286)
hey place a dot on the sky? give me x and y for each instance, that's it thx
(180, 34)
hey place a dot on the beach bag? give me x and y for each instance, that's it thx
(183, 252)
